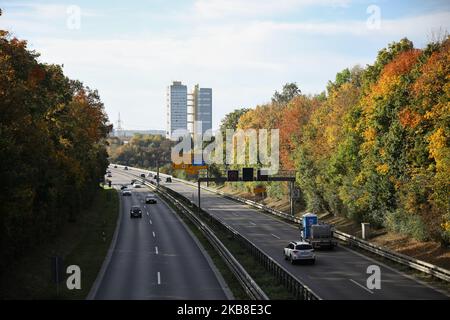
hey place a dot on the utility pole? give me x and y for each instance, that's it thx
(119, 126)
(291, 197)
(198, 195)
(157, 173)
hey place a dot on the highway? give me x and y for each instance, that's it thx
(337, 274)
(155, 257)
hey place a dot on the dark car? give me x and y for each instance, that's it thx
(168, 179)
(135, 212)
(123, 187)
(142, 175)
(115, 167)
(125, 168)
(150, 199)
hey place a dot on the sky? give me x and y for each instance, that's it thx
(243, 49)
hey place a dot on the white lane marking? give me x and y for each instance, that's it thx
(159, 278)
(156, 250)
(150, 221)
(252, 223)
(275, 236)
(154, 235)
(361, 286)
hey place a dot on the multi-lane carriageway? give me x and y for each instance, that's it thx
(155, 257)
(337, 274)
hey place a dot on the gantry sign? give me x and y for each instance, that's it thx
(249, 176)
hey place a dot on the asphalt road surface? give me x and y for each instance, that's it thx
(337, 274)
(155, 257)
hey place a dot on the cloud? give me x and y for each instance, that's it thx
(224, 8)
(388, 27)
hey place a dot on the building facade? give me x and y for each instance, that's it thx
(192, 112)
(176, 108)
(201, 110)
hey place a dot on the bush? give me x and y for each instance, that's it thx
(407, 224)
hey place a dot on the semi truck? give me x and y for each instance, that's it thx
(319, 235)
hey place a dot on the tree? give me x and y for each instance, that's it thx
(290, 90)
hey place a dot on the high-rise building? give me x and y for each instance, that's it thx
(176, 108)
(200, 110)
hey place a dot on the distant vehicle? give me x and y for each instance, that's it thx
(150, 199)
(168, 179)
(319, 235)
(109, 175)
(125, 168)
(137, 185)
(115, 167)
(299, 251)
(150, 175)
(142, 175)
(123, 187)
(135, 212)
(126, 193)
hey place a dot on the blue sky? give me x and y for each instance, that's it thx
(243, 49)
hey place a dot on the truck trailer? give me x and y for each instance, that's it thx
(319, 235)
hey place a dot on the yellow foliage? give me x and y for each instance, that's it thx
(383, 168)
(437, 142)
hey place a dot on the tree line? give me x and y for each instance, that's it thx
(374, 146)
(142, 150)
(52, 144)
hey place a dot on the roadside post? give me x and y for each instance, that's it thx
(57, 270)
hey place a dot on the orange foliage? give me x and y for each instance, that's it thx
(409, 118)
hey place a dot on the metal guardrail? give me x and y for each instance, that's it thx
(246, 281)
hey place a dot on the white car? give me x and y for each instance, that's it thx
(126, 193)
(299, 251)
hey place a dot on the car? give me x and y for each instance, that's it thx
(168, 179)
(115, 167)
(126, 193)
(135, 212)
(150, 175)
(150, 199)
(108, 171)
(109, 175)
(123, 187)
(299, 251)
(137, 185)
(142, 175)
(125, 168)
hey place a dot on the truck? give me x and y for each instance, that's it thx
(319, 235)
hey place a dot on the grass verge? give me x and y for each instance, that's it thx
(83, 243)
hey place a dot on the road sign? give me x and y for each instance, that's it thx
(232, 175)
(259, 189)
(261, 175)
(189, 168)
(247, 174)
